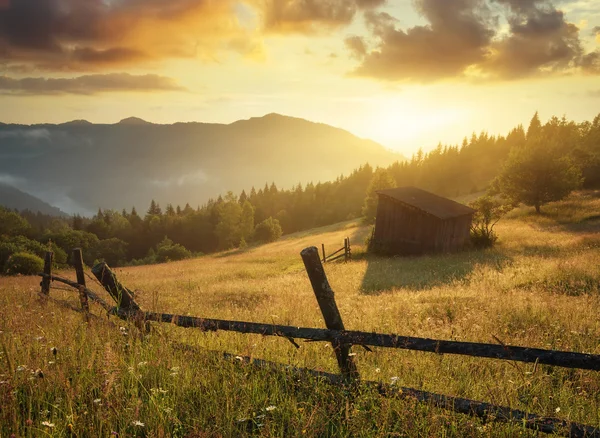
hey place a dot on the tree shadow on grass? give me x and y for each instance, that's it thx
(425, 272)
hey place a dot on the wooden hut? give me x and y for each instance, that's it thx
(413, 221)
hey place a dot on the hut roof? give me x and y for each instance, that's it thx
(435, 205)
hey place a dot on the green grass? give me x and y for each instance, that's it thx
(538, 287)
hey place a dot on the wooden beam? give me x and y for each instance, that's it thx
(493, 351)
(122, 296)
(331, 314)
(78, 263)
(45, 283)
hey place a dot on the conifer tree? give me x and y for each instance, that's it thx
(381, 180)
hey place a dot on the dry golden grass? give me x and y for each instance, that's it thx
(539, 287)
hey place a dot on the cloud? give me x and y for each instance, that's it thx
(87, 84)
(87, 35)
(310, 16)
(479, 39)
(458, 35)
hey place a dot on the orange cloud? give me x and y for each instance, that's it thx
(86, 35)
(87, 84)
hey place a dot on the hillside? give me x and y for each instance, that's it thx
(84, 166)
(13, 198)
(537, 288)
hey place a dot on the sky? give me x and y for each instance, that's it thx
(406, 73)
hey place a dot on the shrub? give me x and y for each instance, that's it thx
(268, 230)
(488, 212)
(113, 251)
(24, 263)
(169, 251)
(11, 245)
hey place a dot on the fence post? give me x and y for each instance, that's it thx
(78, 263)
(329, 309)
(122, 296)
(349, 250)
(45, 284)
(324, 256)
(346, 249)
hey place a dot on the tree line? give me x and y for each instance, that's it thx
(535, 165)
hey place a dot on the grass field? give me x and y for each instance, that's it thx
(538, 287)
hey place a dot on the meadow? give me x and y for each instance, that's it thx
(538, 287)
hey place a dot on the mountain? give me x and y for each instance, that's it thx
(134, 121)
(13, 198)
(82, 166)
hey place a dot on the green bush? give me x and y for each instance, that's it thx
(113, 251)
(169, 251)
(268, 230)
(7, 249)
(24, 263)
(11, 245)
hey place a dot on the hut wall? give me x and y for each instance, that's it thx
(403, 229)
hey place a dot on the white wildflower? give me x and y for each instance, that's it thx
(48, 424)
(21, 368)
(141, 364)
(394, 380)
(137, 423)
(557, 410)
(377, 370)
(97, 401)
(270, 408)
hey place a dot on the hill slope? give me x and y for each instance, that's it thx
(131, 162)
(13, 198)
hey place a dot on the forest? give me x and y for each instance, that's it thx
(515, 166)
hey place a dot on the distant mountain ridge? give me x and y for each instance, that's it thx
(15, 199)
(82, 166)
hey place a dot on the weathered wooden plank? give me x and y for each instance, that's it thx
(486, 411)
(564, 359)
(331, 314)
(78, 263)
(122, 296)
(91, 294)
(45, 283)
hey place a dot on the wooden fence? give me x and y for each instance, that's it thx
(336, 255)
(342, 340)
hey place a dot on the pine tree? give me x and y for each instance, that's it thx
(247, 221)
(535, 127)
(170, 211)
(381, 180)
(243, 198)
(154, 209)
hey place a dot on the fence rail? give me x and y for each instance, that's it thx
(342, 340)
(347, 252)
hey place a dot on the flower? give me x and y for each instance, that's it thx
(141, 364)
(270, 408)
(394, 380)
(48, 424)
(97, 401)
(137, 423)
(557, 410)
